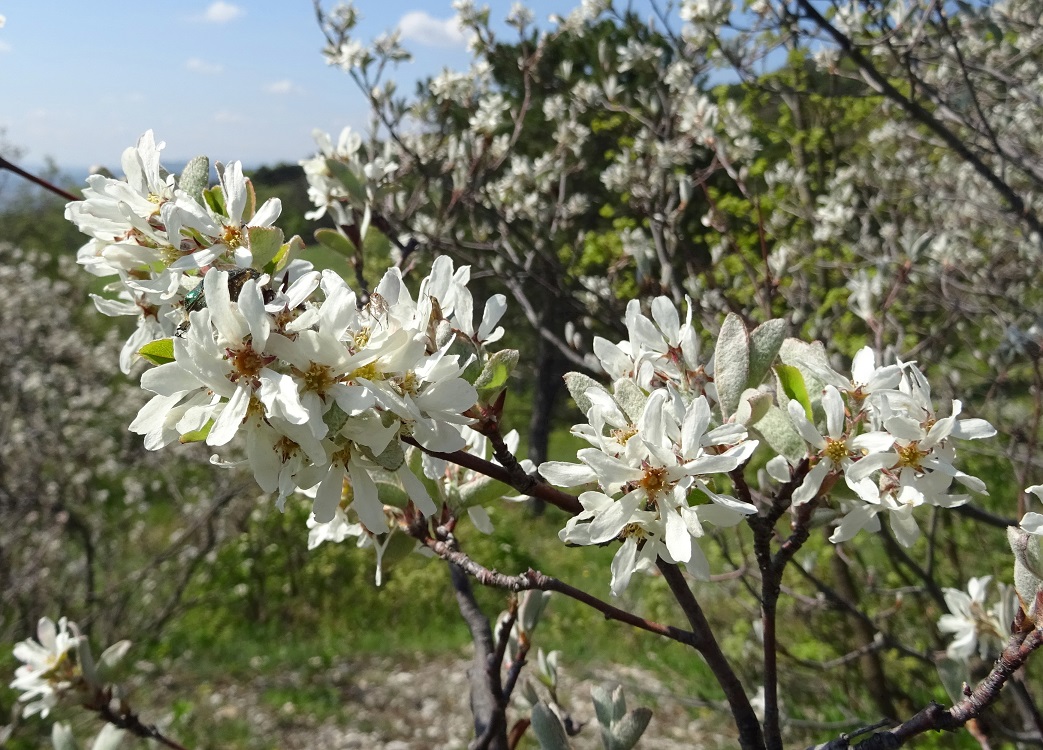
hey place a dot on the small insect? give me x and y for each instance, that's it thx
(378, 307)
(196, 298)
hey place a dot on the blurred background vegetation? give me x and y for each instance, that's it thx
(213, 584)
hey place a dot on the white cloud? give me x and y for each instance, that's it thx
(285, 86)
(430, 31)
(5, 47)
(221, 12)
(196, 65)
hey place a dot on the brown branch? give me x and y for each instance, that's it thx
(487, 704)
(750, 735)
(532, 580)
(125, 718)
(531, 486)
(5, 164)
(935, 718)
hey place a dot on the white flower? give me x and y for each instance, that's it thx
(335, 530)
(838, 450)
(866, 378)
(49, 667)
(974, 627)
(223, 354)
(227, 232)
(655, 464)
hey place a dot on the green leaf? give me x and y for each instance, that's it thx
(197, 436)
(481, 491)
(158, 352)
(392, 458)
(265, 244)
(548, 729)
(392, 494)
(494, 374)
(294, 245)
(765, 342)
(807, 358)
(578, 385)
(215, 200)
(780, 435)
(343, 172)
(195, 177)
(335, 241)
(732, 363)
(791, 381)
(630, 397)
(628, 730)
(335, 418)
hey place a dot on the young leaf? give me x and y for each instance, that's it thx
(343, 172)
(294, 245)
(265, 244)
(335, 241)
(195, 177)
(197, 436)
(215, 200)
(548, 729)
(602, 706)
(392, 457)
(392, 494)
(630, 397)
(954, 673)
(578, 384)
(779, 433)
(1028, 566)
(498, 368)
(732, 368)
(62, 737)
(791, 381)
(765, 342)
(628, 730)
(158, 352)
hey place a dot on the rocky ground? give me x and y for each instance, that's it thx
(421, 703)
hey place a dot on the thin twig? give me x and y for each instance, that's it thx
(5, 164)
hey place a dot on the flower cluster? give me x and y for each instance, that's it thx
(885, 438)
(654, 449)
(321, 384)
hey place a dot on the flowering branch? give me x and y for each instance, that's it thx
(915, 110)
(531, 486)
(125, 718)
(936, 718)
(532, 580)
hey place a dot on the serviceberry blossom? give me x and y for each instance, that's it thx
(654, 451)
(974, 627)
(885, 438)
(50, 666)
(253, 347)
(839, 451)
(658, 350)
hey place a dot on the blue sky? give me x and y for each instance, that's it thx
(232, 79)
